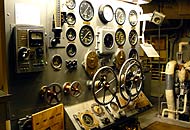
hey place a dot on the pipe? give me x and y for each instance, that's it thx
(181, 44)
(170, 67)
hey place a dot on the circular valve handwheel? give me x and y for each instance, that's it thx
(104, 85)
(130, 79)
(53, 94)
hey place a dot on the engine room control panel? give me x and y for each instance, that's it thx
(30, 48)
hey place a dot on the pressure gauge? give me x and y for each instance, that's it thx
(133, 37)
(86, 35)
(120, 37)
(133, 54)
(108, 41)
(70, 4)
(56, 62)
(71, 34)
(86, 10)
(133, 18)
(71, 50)
(120, 16)
(71, 19)
(105, 13)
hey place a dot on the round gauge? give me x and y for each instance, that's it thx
(71, 34)
(108, 41)
(71, 50)
(71, 19)
(86, 35)
(92, 60)
(70, 4)
(133, 18)
(133, 37)
(97, 109)
(56, 62)
(120, 37)
(133, 54)
(105, 13)
(88, 119)
(114, 106)
(120, 16)
(86, 10)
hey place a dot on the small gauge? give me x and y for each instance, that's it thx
(108, 41)
(133, 37)
(114, 106)
(97, 109)
(133, 54)
(86, 35)
(120, 16)
(86, 10)
(71, 19)
(120, 37)
(71, 34)
(71, 50)
(133, 18)
(56, 62)
(106, 13)
(70, 4)
(88, 119)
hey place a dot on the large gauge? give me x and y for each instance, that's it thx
(133, 18)
(71, 19)
(86, 35)
(133, 37)
(105, 13)
(86, 10)
(120, 37)
(120, 16)
(70, 4)
(71, 34)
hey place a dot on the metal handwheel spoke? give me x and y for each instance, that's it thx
(99, 90)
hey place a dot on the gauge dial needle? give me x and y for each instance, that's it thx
(85, 35)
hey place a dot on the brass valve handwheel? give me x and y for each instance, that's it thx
(104, 85)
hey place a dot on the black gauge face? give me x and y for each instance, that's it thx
(133, 54)
(71, 34)
(120, 37)
(70, 4)
(88, 119)
(133, 37)
(86, 35)
(120, 16)
(133, 18)
(56, 62)
(71, 50)
(86, 10)
(108, 41)
(71, 19)
(105, 13)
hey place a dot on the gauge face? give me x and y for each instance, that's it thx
(108, 41)
(133, 37)
(71, 19)
(86, 10)
(71, 34)
(133, 54)
(133, 18)
(120, 37)
(97, 109)
(70, 4)
(86, 35)
(56, 62)
(120, 16)
(71, 50)
(105, 13)
(88, 119)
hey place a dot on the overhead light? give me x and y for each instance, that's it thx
(137, 1)
(157, 18)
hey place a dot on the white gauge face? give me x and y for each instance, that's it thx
(133, 18)
(70, 4)
(108, 13)
(120, 16)
(86, 10)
